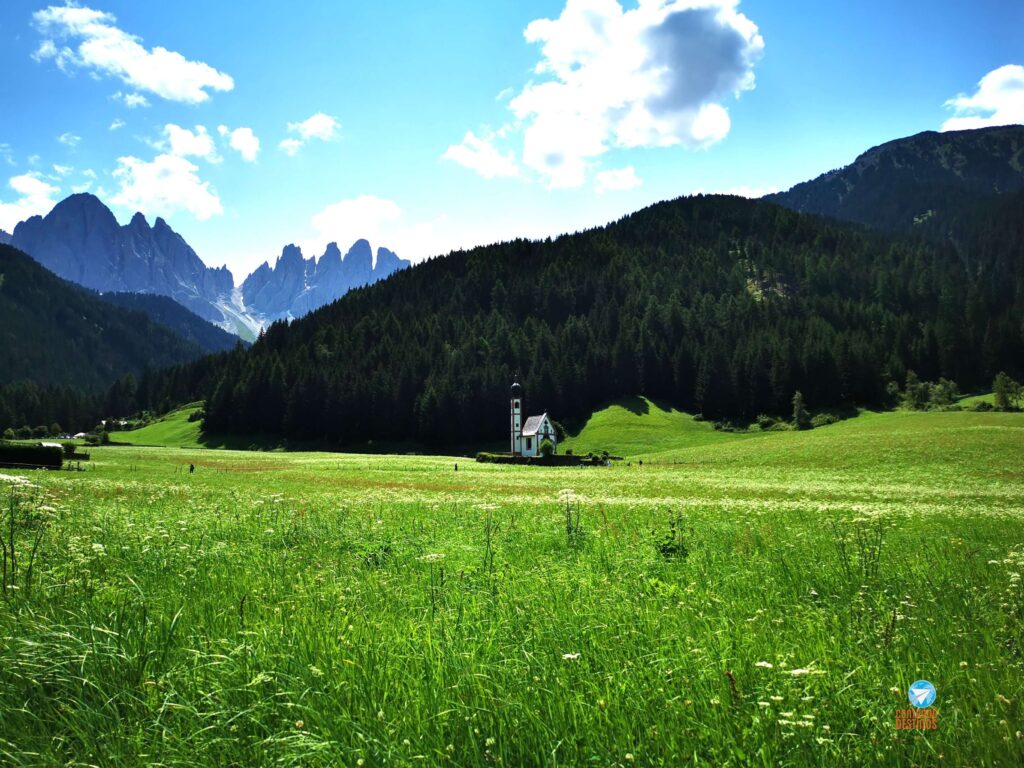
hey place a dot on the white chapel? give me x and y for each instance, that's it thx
(527, 438)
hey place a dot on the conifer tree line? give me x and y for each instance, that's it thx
(717, 305)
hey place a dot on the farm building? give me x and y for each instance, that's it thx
(527, 438)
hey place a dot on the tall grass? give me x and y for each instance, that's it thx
(738, 607)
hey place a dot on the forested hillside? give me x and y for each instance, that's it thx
(184, 322)
(717, 304)
(918, 181)
(60, 344)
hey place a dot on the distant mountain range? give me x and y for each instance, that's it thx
(295, 286)
(80, 240)
(910, 181)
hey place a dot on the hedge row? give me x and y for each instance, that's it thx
(543, 461)
(22, 456)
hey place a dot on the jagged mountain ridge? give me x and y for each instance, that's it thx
(295, 286)
(911, 180)
(81, 241)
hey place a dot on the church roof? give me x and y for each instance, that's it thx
(532, 425)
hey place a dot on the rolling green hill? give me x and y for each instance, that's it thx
(638, 426)
(173, 431)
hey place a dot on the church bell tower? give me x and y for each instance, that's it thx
(516, 396)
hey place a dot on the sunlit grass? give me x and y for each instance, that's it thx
(759, 601)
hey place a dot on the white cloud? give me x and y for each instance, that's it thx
(69, 139)
(167, 184)
(319, 126)
(89, 173)
(7, 154)
(243, 140)
(185, 143)
(131, 100)
(346, 221)
(35, 197)
(652, 76)
(118, 123)
(616, 180)
(999, 100)
(480, 155)
(83, 187)
(62, 170)
(290, 147)
(103, 48)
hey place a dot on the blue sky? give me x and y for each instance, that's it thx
(429, 126)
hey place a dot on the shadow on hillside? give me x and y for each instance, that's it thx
(636, 405)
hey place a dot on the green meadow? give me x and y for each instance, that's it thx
(755, 599)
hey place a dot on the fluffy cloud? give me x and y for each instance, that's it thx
(34, 197)
(131, 100)
(69, 139)
(62, 170)
(652, 76)
(480, 155)
(290, 147)
(243, 140)
(185, 143)
(118, 123)
(319, 126)
(619, 179)
(167, 184)
(89, 40)
(999, 100)
(348, 220)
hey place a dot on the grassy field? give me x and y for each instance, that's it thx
(639, 426)
(172, 431)
(737, 600)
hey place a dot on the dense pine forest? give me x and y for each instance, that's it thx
(62, 346)
(720, 305)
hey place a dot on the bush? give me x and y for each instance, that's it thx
(916, 393)
(197, 415)
(1007, 392)
(31, 456)
(943, 394)
(824, 419)
(24, 433)
(9, 434)
(547, 449)
(766, 422)
(982, 406)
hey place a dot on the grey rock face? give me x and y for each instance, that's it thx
(295, 286)
(81, 241)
